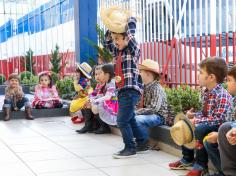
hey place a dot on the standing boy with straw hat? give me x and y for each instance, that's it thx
(216, 103)
(121, 43)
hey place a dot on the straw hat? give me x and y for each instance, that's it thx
(182, 131)
(115, 19)
(85, 68)
(149, 65)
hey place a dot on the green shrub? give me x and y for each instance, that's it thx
(65, 88)
(55, 77)
(2, 78)
(183, 98)
(25, 75)
(33, 80)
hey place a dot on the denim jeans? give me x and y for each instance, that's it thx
(8, 103)
(213, 153)
(201, 130)
(147, 121)
(127, 100)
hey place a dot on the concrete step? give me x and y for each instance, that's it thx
(37, 113)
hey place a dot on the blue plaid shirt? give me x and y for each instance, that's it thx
(130, 56)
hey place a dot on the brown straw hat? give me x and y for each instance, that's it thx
(182, 132)
(149, 65)
(115, 19)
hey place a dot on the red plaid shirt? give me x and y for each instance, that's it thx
(216, 103)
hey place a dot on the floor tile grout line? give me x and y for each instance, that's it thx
(19, 157)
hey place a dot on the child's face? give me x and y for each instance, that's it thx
(103, 77)
(204, 78)
(100, 61)
(120, 41)
(144, 75)
(78, 75)
(97, 75)
(44, 81)
(231, 85)
(14, 83)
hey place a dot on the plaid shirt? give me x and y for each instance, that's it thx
(231, 115)
(130, 56)
(155, 101)
(217, 102)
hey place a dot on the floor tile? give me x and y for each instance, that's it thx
(138, 170)
(46, 155)
(18, 169)
(34, 147)
(109, 161)
(40, 167)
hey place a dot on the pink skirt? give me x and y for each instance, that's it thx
(108, 111)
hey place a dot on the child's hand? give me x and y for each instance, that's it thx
(212, 137)
(190, 113)
(192, 120)
(231, 136)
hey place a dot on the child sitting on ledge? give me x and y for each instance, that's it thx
(15, 98)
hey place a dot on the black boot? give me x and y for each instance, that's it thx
(104, 128)
(6, 113)
(88, 127)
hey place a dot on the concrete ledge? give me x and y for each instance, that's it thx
(37, 113)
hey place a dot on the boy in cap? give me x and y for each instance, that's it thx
(120, 41)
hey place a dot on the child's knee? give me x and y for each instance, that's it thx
(7, 101)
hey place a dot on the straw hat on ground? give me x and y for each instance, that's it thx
(115, 19)
(86, 69)
(149, 65)
(182, 131)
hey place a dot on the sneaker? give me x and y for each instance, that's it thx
(141, 149)
(125, 153)
(178, 165)
(195, 172)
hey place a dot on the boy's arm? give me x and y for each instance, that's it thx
(108, 43)
(154, 106)
(219, 112)
(132, 43)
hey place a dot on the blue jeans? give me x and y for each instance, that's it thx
(8, 103)
(147, 121)
(201, 130)
(127, 100)
(213, 153)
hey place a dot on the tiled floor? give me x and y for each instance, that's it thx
(50, 147)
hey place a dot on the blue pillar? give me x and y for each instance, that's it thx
(85, 27)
